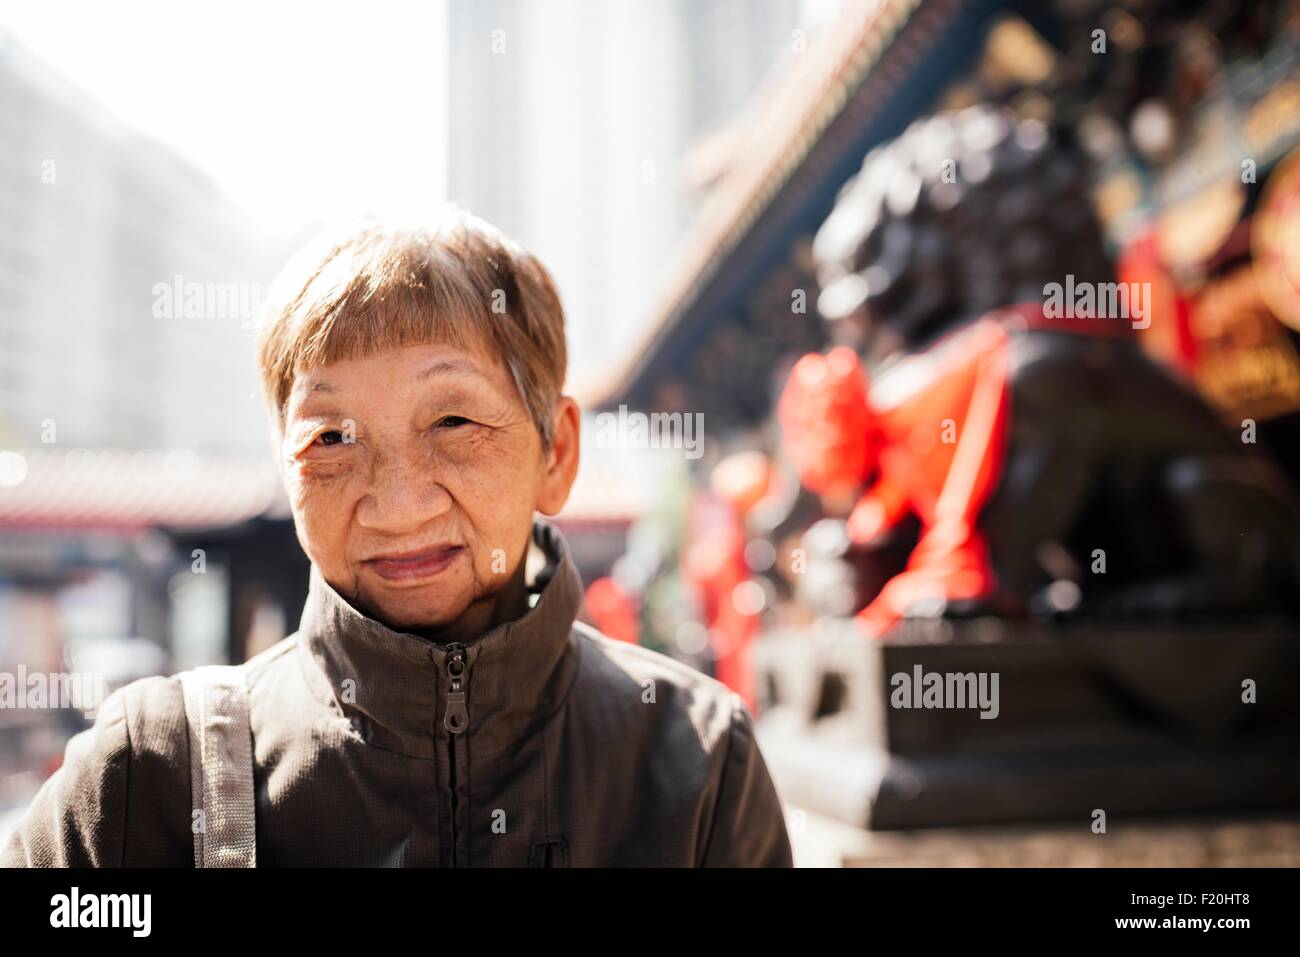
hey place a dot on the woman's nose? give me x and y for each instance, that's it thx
(406, 492)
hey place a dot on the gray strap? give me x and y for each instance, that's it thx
(221, 766)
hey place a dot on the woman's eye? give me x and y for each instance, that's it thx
(452, 421)
(332, 437)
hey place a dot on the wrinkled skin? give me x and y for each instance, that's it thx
(414, 475)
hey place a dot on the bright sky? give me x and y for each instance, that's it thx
(301, 111)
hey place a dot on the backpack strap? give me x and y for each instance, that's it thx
(221, 766)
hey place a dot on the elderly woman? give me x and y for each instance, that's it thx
(439, 705)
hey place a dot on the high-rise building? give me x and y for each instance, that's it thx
(99, 227)
(569, 124)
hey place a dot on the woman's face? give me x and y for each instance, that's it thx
(414, 475)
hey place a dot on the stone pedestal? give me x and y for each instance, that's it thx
(1130, 719)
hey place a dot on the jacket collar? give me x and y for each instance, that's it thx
(393, 686)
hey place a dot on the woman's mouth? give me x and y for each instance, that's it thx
(416, 566)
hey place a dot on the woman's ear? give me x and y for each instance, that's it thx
(561, 465)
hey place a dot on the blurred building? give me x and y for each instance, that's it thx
(134, 453)
(1187, 110)
(570, 124)
(97, 217)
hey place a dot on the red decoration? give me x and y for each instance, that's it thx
(714, 564)
(612, 610)
(827, 427)
(937, 451)
(945, 446)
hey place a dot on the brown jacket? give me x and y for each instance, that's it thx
(577, 750)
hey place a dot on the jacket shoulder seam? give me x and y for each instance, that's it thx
(126, 775)
(722, 780)
(130, 706)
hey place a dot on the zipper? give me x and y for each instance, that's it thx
(455, 719)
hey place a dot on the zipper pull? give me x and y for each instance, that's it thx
(456, 718)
